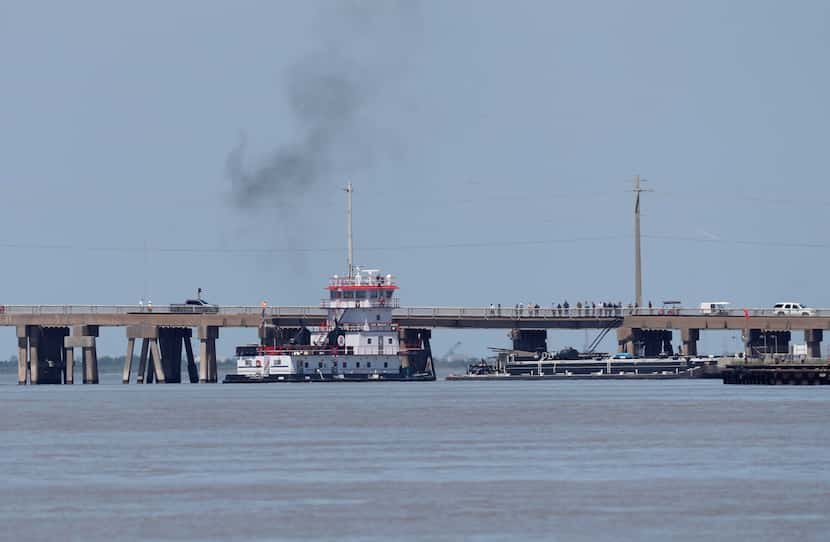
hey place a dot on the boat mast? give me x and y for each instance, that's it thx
(349, 255)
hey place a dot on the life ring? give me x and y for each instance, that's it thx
(258, 363)
(341, 340)
(382, 301)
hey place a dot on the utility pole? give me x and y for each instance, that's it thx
(638, 273)
(349, 255)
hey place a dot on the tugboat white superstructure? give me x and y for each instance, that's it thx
(357, 342)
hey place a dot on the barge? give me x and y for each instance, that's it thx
(548, 366)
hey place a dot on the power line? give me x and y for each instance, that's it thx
(284, 250)
(404, 247)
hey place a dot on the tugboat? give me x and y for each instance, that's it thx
(358, 342)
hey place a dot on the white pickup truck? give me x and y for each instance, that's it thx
(792, 309)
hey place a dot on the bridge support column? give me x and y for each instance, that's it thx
(653, 342)
(625, 339)
(192, 370)
(754, 346)
(170, 340)
(689, 336)
(207, 353)
(155, 355)
(813, 339)
(142, 360)
(128, 361)
(155, 363)
(90, 364)
(22, 355)
(52, 352)
(530, 340)
(760, 343)
(84, 336)
(69, 365)
(34, 333)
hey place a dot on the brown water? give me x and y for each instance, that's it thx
(677, 460)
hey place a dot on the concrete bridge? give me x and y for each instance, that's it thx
(49, 334)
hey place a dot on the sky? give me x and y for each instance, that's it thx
(149, 148)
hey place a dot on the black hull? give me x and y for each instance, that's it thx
(693, 373)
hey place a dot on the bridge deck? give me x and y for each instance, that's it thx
(441, 317)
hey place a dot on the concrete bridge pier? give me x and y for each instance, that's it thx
(760, 342)
(52, 364)
(84, 337)
(689, 338)
(69, 364)
(76, 340)
(171, 340)
(530, 340)
(22, 355)
(813, 339)
(34, 333)
(192, 370)
(625, 339)
(207, 353)
(128, 360)
(150, 367)
(653, 342)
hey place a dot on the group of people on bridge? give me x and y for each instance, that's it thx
(581, 309)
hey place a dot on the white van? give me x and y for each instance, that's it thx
(717, 308)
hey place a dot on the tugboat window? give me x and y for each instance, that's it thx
(377, 317)
(358, 365)
(369, 340)
(385, 364)
(369, 364)
(306, 365)
(390, 340)
(319, 364)
(345, 364)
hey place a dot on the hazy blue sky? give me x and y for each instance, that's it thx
(491, 145)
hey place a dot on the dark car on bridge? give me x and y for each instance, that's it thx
(194, 306)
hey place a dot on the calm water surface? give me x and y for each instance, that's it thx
(679, 460)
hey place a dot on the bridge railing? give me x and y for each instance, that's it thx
(414, 312)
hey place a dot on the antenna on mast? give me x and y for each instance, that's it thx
(638, 276)
(349, 254)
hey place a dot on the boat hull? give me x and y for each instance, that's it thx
(271, 379)
(691, 373)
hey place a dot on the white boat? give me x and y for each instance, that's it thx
(357, 342)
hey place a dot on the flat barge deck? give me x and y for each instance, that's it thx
(691, 373)
(776, 375)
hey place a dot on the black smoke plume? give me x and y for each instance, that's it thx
(326, 92)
